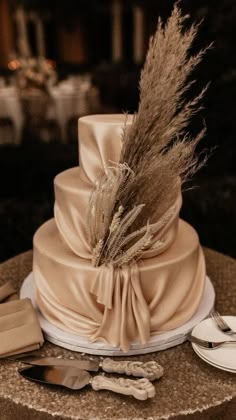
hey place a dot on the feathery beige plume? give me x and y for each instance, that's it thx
(134, 199)
(157, 147)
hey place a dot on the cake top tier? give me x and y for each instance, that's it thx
(100, 142)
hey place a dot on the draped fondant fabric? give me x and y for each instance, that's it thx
(159, 292)
(164, 293)
(70, 209)
(100, 141)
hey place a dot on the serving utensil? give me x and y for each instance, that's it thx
(150, 370)
(221, 323)
(208, 344)
(75, 379)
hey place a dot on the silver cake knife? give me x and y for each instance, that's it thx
(150, 370)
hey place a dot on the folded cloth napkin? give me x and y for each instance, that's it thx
(19, 327)
(7, 292)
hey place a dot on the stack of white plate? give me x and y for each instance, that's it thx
(157, 342)
(223, 357)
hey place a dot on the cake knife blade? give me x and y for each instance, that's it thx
(75, 379)
(150, 370)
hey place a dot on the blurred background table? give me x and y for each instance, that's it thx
(69, 99)
(190, 389)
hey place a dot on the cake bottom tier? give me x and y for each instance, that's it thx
(162, 292)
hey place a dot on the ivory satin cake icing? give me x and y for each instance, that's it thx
(158, 292)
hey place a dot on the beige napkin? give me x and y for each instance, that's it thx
(19, 327)
(7, 292)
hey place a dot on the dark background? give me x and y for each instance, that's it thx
(27, 171)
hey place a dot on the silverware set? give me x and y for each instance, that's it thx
(74, 378)
(74, 374)
(209, 344)
(222, 326)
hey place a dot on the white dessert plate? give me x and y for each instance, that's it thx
(157, 342)
(211, 363)
(223, 357)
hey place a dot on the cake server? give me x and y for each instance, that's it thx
(75, 378)
(150, 370)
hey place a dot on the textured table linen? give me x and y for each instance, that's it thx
(189, 388)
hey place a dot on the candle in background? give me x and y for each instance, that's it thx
(138, 34)
(39, 31)
(116, 30)
(23, 44)
(6, 34)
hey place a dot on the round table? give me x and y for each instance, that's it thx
(190, 388)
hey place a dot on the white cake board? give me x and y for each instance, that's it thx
(157, 342)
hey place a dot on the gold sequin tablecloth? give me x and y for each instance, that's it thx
(189, 389)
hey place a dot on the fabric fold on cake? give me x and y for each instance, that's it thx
(126, 310)
(103, 285)
(100, 143)
(171, 285)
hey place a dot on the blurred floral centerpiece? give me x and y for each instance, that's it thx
(34, 76)
(34, 73)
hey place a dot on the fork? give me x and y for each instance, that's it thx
(211, 345)
(221, 324)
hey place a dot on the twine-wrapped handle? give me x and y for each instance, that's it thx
(141, 389)
(150, 370)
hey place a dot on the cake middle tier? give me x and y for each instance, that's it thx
(162, 293)
(72, 196)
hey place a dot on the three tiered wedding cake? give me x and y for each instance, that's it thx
(116, 263)
(159, 292)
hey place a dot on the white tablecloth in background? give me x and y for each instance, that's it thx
(10, 107)
(67, 102)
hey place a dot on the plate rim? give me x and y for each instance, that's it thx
(201, 351)
(221, 367)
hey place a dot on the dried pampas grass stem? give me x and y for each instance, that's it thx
(135, 196)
